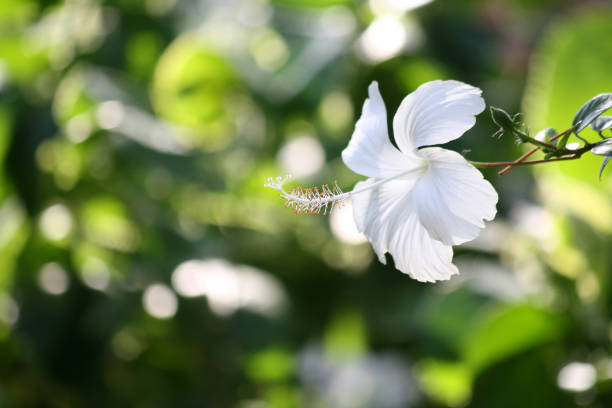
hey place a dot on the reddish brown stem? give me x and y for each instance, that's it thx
(529, 153)
(523, 163)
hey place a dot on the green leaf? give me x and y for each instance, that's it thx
(502, 118)
(563, 141)
(603, 165)
(507, 331)
(601, 123)
(592, 110)
(544, 135)
(270, 365)
(447, 382)
(346, 335)
(603, 148)
(191, 86)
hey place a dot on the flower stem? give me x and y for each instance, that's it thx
(536, 142)
(529, 153)
(518, 161)
(566, 154)
(523, 163)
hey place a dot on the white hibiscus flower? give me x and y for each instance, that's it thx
(419, 201)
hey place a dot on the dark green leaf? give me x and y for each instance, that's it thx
(603, 165)
(502, 118)
(591, 110)
(563, 141)
(603, 148)
(601, 123)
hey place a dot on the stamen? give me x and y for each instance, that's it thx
(325, 200)
(309, 200)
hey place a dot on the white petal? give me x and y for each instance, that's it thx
(435, 113)
(452, 198)
(418, 255)
(387, 216)
(370, 151)
(371, 217)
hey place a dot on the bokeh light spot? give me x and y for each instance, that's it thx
(9, 310)
(56, 222)
(79, 128)
(577, 377)
(160, 301)
(53, 279)
(336, 111)
(383, 39)
(110, 114)
(269, 50)
(343, 224)
(302, 156)
(95, 273)
(229, 287)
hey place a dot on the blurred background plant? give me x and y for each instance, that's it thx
(143, 263)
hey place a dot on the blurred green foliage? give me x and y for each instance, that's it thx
(143, 264)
